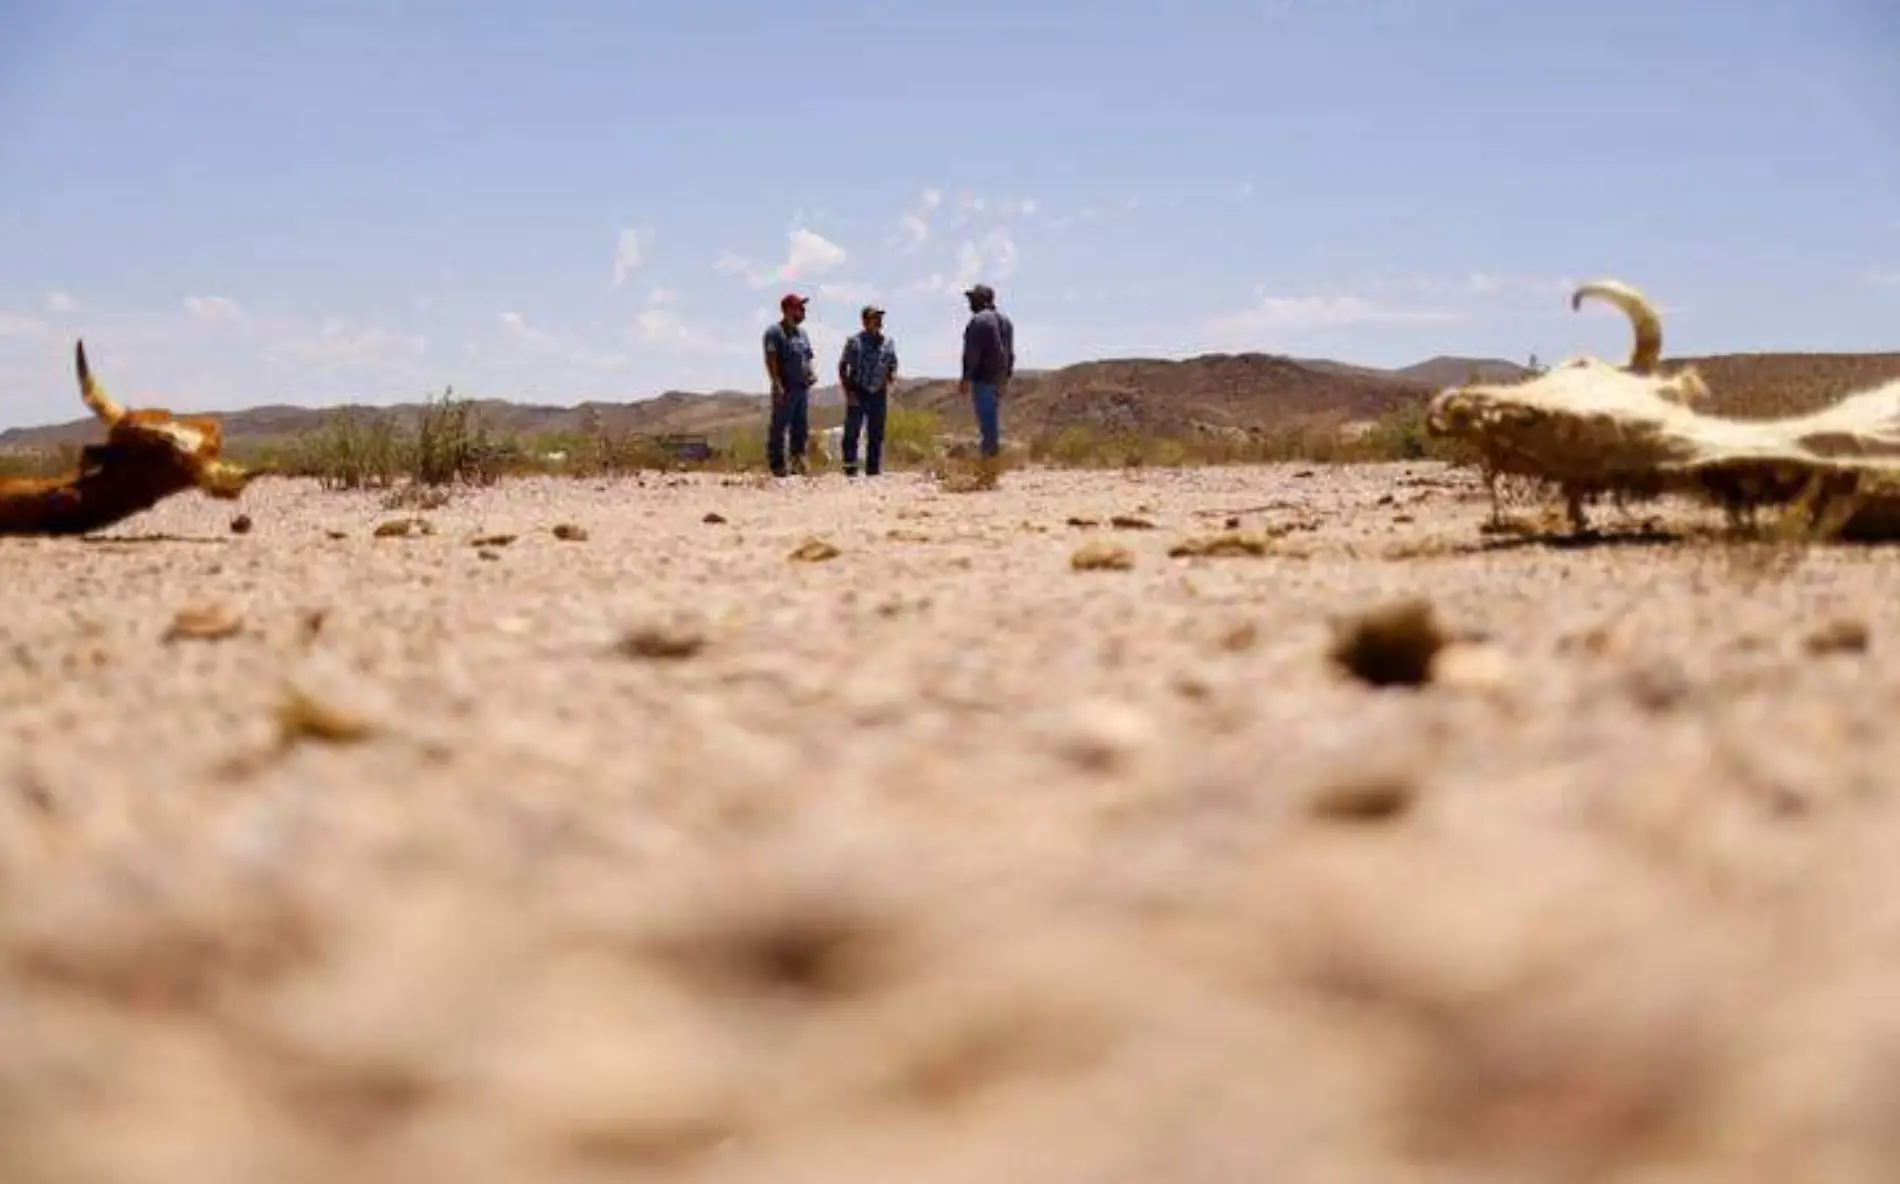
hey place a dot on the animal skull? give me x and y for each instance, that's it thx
(148, 455)
(1590, 427)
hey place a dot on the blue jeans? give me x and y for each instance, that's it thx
(791, 417)
(988, 416)
(865, 415)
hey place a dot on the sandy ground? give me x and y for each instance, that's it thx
(661, 854)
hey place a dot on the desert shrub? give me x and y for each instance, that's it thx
(354, 449)
(451, 444)
(910, 437)
(39, 462)
(740, 450)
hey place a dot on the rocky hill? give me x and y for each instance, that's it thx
(1219, 394)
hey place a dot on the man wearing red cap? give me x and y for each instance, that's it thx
(788, 364)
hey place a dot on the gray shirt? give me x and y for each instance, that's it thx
(989, 348)
(793, 350)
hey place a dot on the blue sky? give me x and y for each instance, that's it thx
(249, 201)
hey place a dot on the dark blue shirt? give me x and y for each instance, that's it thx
(989, 348)
(793, 349)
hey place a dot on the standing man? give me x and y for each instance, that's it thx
(866, 369)
(788, 363)
(989, 361)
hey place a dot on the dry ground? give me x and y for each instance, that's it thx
(663, 855)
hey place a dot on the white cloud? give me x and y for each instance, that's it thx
(662, 296)
(848, 293)
(336, 341)
(17, 326)
(812, 254)
(60, 302)
(213, 308)
(1474, 284)
(808, 255)
(629, 251)
(662, 326)
(914, 225)
(1299, 314)
(518, 329)
(991, 258)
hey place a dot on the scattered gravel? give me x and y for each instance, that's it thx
(665, 857)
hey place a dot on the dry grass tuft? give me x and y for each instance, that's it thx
(980, 475)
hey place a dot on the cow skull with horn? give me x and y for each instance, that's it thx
(148, 455)
(1585, 424)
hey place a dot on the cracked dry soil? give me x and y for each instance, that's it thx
(815, 832)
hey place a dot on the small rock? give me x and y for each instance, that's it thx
(491, 540)
(1084, 523)
(714, 519)
(1657, 684)
(1392, 646)
(402, 528)
(568, 532)
(1232, 524)
(1364, 797)
(1232, 544)
(1130, 522)
(1102, 556)
(325, 710)
(1843, 636)
(664, 640)
(814, 550)
(205, 622)
(241, 524)
(310, 624)
(336, 534)
(1241, 637)
(486, 554)
(1102, 737)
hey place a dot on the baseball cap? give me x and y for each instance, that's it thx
(870, 310)
(793, 298)
(983, 290)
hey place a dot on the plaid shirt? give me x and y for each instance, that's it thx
(869, 361)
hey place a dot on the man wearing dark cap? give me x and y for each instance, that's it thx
(866, 369)
(788, 363)
(989, 361)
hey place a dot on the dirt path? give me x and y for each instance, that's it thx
(661, 854)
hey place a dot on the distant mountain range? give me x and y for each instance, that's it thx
(1212, 393)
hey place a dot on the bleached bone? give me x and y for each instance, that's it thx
(1591, 428)
(148, 455)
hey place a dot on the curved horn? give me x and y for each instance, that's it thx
(1642, 315)
(95, 395)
